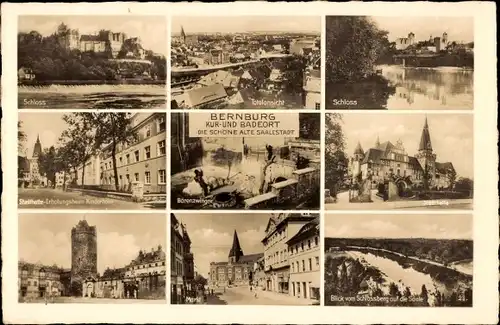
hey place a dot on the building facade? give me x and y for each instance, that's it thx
(140, 162)
(386, 159)
(143, 278)
(39, 281)
(182, 272)
(280, 228)
(237, 270)
(304, 256)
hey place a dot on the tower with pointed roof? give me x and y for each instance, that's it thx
(377, 143)
(183, 35)
(37, 149)
(425, 155)
(236, 252)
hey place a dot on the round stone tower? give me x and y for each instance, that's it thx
(83, 251)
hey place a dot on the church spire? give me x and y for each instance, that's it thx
(183, 34)
(236, 252)
(359, 149)
(377, 143)
(425, 139)
(37, 149)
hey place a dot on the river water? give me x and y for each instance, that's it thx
(93, 97)
(430, 88)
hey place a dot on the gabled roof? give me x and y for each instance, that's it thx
(374, 155)
(202, 95)
(444, 168)
(359, 149)
(90, 38)
(252, 258)
(308, 230)
(236, 250)
(412, 161)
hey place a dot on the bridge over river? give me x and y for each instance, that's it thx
(205, 69)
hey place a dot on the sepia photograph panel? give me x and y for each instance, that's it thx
(245, 259)
(398, 260)
(92, 258)
(92, 161)
(399, 161)
(405, 62)
(92, 62)
(254, 62)
(245, 161)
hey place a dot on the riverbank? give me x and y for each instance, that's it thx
(47, 83)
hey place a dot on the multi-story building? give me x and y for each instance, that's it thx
(186, 152)
(386, 159)
(404, 42)
(38, 281)
(312, 85)
(91, 174)
(280, 228)
(237, 270)
(217, 56)
(303, 254)
(142, 161)
(181, 261)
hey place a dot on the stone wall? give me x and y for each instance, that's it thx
(303, 184)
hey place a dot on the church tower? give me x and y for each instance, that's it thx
(37, 149)
(183, 35)
(236, 252)
(425, 155)
(359, 154)
(83, 251)
(377, 143)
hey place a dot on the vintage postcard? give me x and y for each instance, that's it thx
(254, 62)
(399, 161)
(92, 161)
(245, 161)
(245, 259)
(398, 260)
(92, 62)
(92, 258)
(385, 62)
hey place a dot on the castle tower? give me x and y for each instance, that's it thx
(445, 38)
(236, 252)
(37, 149)
(83, 251)
(359, 154)
(411, 38)
(425, 155)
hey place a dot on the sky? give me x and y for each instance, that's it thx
(212, 235)
(436, 226)
(238, 24)
(35, 124)
(451, 135)
(458, 28)
(150, 29)
(46, 238)
(48, 125)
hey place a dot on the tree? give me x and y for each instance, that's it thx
(464, 184)
(21, 136)
(80, 138)
(48, 164)
(114, 129)
(424, 294)
(452, 177)
(309, 126)
(393, 290)
(335, 157)
(353, 47)
(407, 292)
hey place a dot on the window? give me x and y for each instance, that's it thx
(147, 178)
(303, 266)
(161, 124)
(34, 283)
(162, 176)
(293, 267)
(136, 153)
(309, 243)
(148, 131)
(161, 148)
(147, 152)
(316, 241)
(317, 106)
(121, 161)
(127, 158)
(302, 246)
(136, 177)
(310, 265)
(120, 181)
(317, 261)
